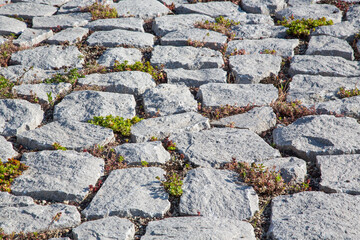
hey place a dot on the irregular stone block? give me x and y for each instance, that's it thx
(70, 35)
(212, 9)
(353, 13)
(11, 25)
(263, 7)
(346, 106)
(258, 31)
(6, 149)
(76, 5)
(30, 37)
(131, 23)
(195, 78)
(343, 30)
(27, 10)
(62, 20)
(249, 18)
(298, 3)
(121, 55)
(21, 74)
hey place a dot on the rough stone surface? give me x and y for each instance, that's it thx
(71, 135)
(47, 2)
(243, 67)
(217, 193)
(263, 7)
(343, 30)
(25, 74)
(121, 55)
(315, 215)
(6, 149)
(62, 20)
(198, 228)
(258, 31)
(297, 3)
(353, 13)
(150, 152)
(221, 94)
(186, 57)
(162, 127)
(30, 37)
(58, 175)
(10, 25)
(250, 18)
(131, 23)
(27, 10)
(18, 116)
(70, 35)
(319, 135)
(212, 9)
(84, 105)
(195, 78)
(167, 99)
(346, 106)
(140, 191)
(75, 5)
(258, 120)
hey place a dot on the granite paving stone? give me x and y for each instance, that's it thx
(343, 30)
(6, 149)
(263, 7)
(130, 23)
(162, 127)
(310, 136)
(141, 195)
(69, 35)
(353, 13)
(27, 10)
(84, 105)
(195, 78)
(10, 25)
(121, 55)
(198, 228)
(218, 194)
(346, 106)
(298, 3)
(58, 175)
(48, 2)
(217, 146)
(250, 18)
(71, 135)
(175, 2)
(258, 31)
(21, 74)
(30, 37)
(62, 20)
(76, 5)
(212, 9)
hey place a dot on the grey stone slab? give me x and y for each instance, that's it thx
(258, 120)
(343, 30)
(137, 8)
(258, 31)
(211, 39)
(121, 55)
(198, 228)
(120, 37)
(27, 10)
(84, 105)
(339, 173)
(58, 175)
(71, 135)
(263, 7)
(69, 35)
(315, 215)
(330, 46)
(316, 135)
(49, 57)
(217, 146)
(47, 2)
(324, 65)
(201, 193)
(175, 2)
(170, 23)
(212, 9)
(141, 195)
(250, 18)
(283, 47)
(9, 200)
(195, 78)
(22, 74)
(130, 23)
(62, 20)
(298, 3)
(242, 66)
(31, 37)
(6, 149)
(186, 57)
(128, 82)
(11, 25)
(353, 13)
(167, 99)
(162, 127)
(106, 228)
(151, 152)
(19, 116)
(346, 106)
(221, 94)
(74, 6)
(313, 11)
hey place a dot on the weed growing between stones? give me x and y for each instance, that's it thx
(57, 146)
(172, 184)
(220, 25)
(100, 11)
(6, 49)
(345, 93)
(34, 235)
(6, 88)
(268, 51)
(169, 145)
(171, 6)
(70, 76)
(8, 171)
(223, 111)
(288, 112)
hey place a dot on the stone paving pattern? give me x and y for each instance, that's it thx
(214, 204)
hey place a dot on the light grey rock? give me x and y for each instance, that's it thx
(27, 10)
(21, 74)
(263, 7)
(47, 2)
(315, 215)
(198, 228)
(221, 94)
(128, 82)
(195, 78)
(120, 37)
(170, 23)
(258, 120)
(84, 105)
(137, 8)
(346, 106)
(121, 55)
(71, 135)
(43, 92)
(19, 116)
(62, 20)
(330, 46)
(69, 35)
(310, 136)
(339, 173)
(299, 3)
(49, 57)
(212, 39)
(64, 238)
(353, 13)
(358, 46)
(162, 127)
(106, 228)
(167, 99)
(250, 18)
(131, 23)
(212, 9)
(343, 30)
(74, 6)
(58, 175)
(21, 214)
(324, 65)
(283, 47)
(186, 57)
(31, 37)
(201, 193)
(135, 153)
(175, 2)
(141, 195)
(11, 25)
(217, 146)
(243, 68)
(6, 149)
(313, 11)
(254, 31)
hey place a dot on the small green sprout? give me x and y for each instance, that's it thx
(57, 146)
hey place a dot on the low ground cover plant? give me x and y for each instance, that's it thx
(8, 172)
(172, 184)
(100, 11)
(70, 76)
(224, 111)
(220, 25)
(288, 112)
(6, 49)
(6, 88)
(345, 93)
